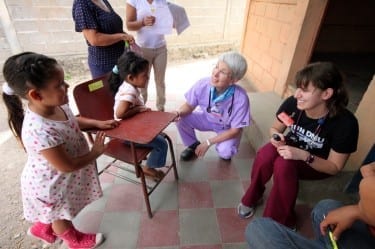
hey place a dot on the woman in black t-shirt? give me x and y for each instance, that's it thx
(311, 138)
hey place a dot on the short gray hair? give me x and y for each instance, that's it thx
(236, 63)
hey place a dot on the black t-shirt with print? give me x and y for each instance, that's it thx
(319, 136)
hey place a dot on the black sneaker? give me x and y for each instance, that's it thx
(188, 153)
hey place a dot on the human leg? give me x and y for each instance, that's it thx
(75, 239)
(187, 125)
(265, 233)
(260, 174)
(318, 213)
(149, 55)
(186, 128)
(283, 195)
(160, 65)
(228, 148)
(281, 200)
(157, 157)
(43, 232)
(99, 70)
(358, 236)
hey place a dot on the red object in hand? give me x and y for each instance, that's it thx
(288, 121)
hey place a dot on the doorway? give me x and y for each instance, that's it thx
(347, 38)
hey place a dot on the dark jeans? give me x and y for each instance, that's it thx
(265, 233)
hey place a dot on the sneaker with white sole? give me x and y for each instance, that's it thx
(245, 212)
(43, 232)
(75, 239)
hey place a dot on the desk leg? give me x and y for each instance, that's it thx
(139, 173)
(146, 194)
(171, 150)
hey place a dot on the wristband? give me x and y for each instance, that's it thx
(208, 143)
(310, 159)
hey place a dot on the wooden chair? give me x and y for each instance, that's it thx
(95, 100)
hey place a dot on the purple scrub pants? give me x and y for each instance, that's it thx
(197, 120)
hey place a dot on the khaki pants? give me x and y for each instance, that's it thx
(157, 58)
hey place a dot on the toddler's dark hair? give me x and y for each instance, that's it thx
(129, 63)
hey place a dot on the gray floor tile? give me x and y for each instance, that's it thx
(191, 171)
(243, 167)
(226, 194)
(236, 246)
(121, 229)
(199, 226)
(165, 197)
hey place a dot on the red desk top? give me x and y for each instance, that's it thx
(143, 127)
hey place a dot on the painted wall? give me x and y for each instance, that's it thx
(365, 114)
(46, 26)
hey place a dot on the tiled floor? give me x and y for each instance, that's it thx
(198, 211)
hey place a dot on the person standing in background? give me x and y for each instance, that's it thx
(103, 30)
(140, 17)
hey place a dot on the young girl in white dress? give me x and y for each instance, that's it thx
(60, 177)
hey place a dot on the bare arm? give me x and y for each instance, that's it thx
(124, 111)
(184, 110)
(343, 218)
(88, 123)
(96, 38)
(131, 18)
(332, 165)
(277, 128)
(61, 161)
(368, 170)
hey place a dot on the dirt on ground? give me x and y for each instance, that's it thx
(13, 226)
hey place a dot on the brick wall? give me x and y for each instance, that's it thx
(46, 26)
(267, 32)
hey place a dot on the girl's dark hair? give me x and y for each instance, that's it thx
(129, 63)
(324, 75)
(23, 72)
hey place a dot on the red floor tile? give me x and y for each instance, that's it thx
(161, 230)
(195, 195)
(221, 170)
(125, 197)
(202, 247)
(106, 178)
(232, 228)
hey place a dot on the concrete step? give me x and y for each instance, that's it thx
(263, 106)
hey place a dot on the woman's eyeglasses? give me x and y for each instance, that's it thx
(222, 72)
